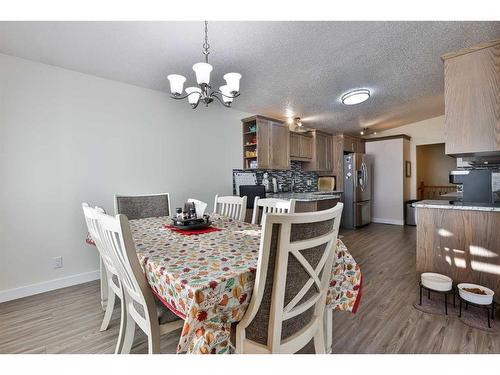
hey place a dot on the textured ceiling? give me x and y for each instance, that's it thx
(296, 68)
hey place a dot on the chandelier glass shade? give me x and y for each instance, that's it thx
(204, 93)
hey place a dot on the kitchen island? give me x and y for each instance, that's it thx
(459, 240)
(311, 201)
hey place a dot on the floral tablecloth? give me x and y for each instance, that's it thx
(207, 279)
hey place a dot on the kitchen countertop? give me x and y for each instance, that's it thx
(456, 195)
(447, 205)
(310, 196)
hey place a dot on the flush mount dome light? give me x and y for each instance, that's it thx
(355, 96)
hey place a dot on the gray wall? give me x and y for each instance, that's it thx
(67, 137)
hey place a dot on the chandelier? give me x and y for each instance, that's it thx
(204, 93)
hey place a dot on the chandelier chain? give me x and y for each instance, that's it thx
(206, 46)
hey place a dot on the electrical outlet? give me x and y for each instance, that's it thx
(58, 262)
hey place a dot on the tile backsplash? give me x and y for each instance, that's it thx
(285, 177)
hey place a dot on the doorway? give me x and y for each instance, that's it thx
(433, 170)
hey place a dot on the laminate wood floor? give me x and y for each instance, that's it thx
(386, 321)
(68, 320)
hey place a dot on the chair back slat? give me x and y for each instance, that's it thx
(231, 206)
(143, 206)
(117, 237)
(293, 273)
(90, 214)
(271, 205)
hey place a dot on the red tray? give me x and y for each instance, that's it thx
(191, 232)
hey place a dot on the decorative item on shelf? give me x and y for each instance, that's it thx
(252, 129)
(204, 92)
(251, 142)
(253, 164)
(250, 154)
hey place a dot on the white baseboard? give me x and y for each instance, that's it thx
(387, 221)
(46, 286)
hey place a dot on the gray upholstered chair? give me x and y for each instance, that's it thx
(143, 206)
(287, 307)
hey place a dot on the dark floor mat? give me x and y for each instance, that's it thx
(474, 317)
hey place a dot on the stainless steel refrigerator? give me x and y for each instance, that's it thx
(357, 191)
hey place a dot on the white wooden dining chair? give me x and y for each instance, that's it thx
(143, 206)
(110, 272)
(141, 309)
(286, 310)
(231, 206)
(263, 206)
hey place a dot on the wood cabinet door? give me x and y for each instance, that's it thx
(263, 143)
(360, 146)
(329, 154)
(295, 146)
(349, 144)
(306, 147)
(472, 102)
(321, 152)
(279, 146)
(338, 161)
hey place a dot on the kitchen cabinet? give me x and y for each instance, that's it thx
(353, 144)
(314, 206)
(321, 160)
(338, 161)
(471, 230)
(279, 155)
(301, 146)
(472, 100)
(266, 143)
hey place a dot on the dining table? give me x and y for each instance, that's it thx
(207, 279)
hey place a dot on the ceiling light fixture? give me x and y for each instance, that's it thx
(367, 131)
(204, 92)
(298, 121)
(355, 96)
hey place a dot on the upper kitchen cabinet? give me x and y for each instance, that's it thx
(265, 143)
(301, 146)
(321, 160)
(353, 144)
(472, 100)
(338, 160)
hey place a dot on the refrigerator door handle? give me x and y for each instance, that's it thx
(362, 178)
(365, 176)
